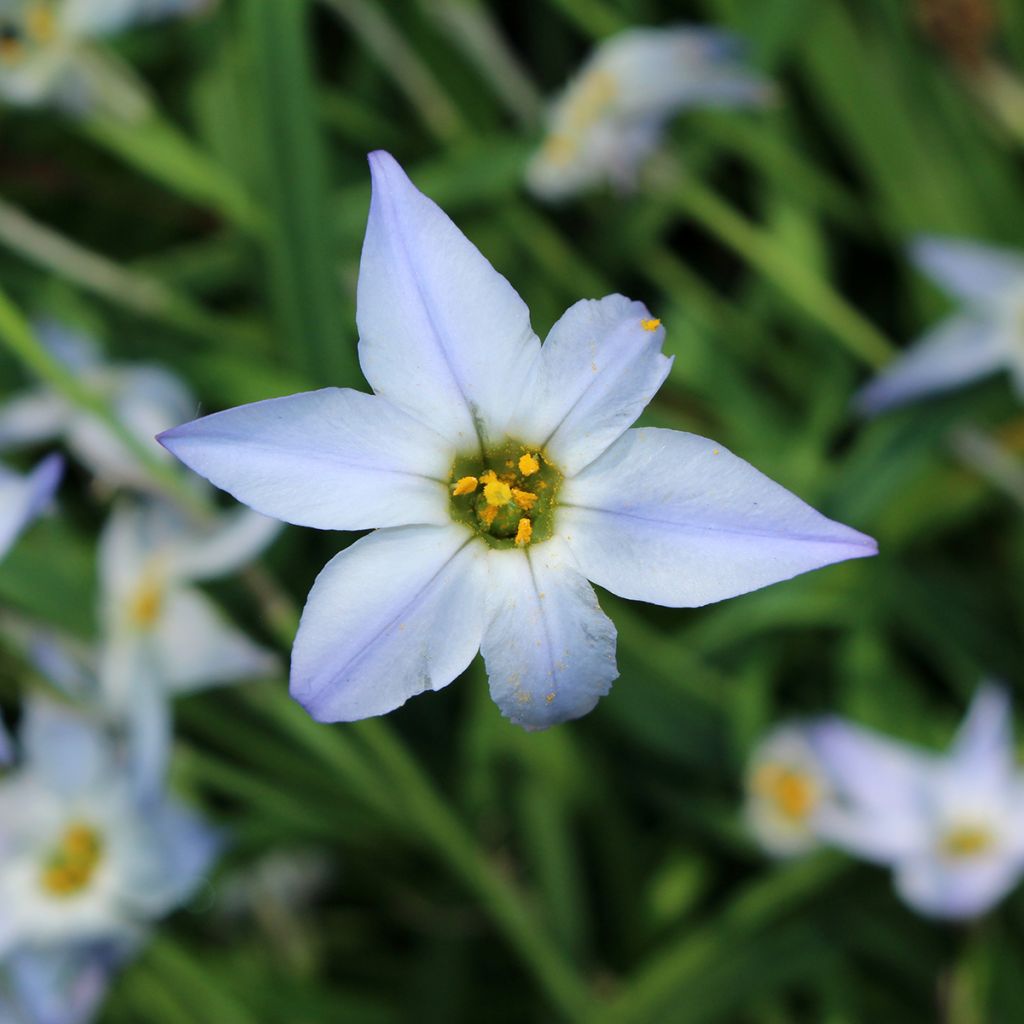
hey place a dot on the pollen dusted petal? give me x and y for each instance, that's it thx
(465, 485)
(524, 532)
(528, 464)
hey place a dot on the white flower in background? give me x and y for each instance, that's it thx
(146, 399)
(22, 498)
(45, 45)
(613, 114)
(82, 859)
(786, 790)
(161, 635)
(950, 826)
(986, 335)
(504, 476)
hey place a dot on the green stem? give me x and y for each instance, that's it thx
(763, 252)
(17, 336)
(506, 905)
(140, 293)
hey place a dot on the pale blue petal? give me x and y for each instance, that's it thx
(969, 271)
(982, 751)
(678, 520)
(399, 612)
(870, 772)
(33, 417)
(333, 459)
(234, 540)
(63, 746)
(6, 750)
(956, 891)
(196, 646)
(22, 499)
(959, 351)
(441, 333)
(599, 368)
(549, 649)
(59, 986)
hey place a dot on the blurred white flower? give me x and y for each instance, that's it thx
(786, 791)
(161, 635)
(45, 52)
(612, 115)
(82, 859)
(985, 336)
(22, 498)
(950, 826)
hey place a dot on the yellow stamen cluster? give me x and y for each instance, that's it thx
(966, 841)
(496, 492)
(793, 793)
(71, 866)
(146, 604)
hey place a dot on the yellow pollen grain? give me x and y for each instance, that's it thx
(497, 493)
(524, 532)
(528, 464)
(650, 325)
(524, 499)
(487, 514)
(41, 23)
(464, 485)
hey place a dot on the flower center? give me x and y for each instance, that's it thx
(963, 841)
(507, 496)
(10, 41)
(793, 793)
(72, 863)
(146, 604)
(41, 22)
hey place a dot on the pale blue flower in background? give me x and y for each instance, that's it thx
(504, 475)
(82, 858)
(950, 826)
(612, 115)
(984, 336)
(46, 51)
(23, 498)
(786, 791)
(161, 636)
(145, 398)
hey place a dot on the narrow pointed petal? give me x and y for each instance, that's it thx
(237, 538)
(399, 612)
(441, 332)
(22, 499)
(599, 367)
(196, 646)
(549, 649)
(957, 352)
(332, 459)
(967, 270)
(677, 520)
(62, 746)
(869, 771)
(881, 837)
(953, 891)
(983, 749)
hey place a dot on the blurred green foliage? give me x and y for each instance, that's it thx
(598, 872)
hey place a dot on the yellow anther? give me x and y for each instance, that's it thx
(487, 514)
(464, 485)
(528, 464)
(524, 532)
(524, 499)
(488, 476)
(73, 861)
(497, 493)
(966, 841)
(792, 792)
(650, 325)
(146, 604)
(41, 23)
